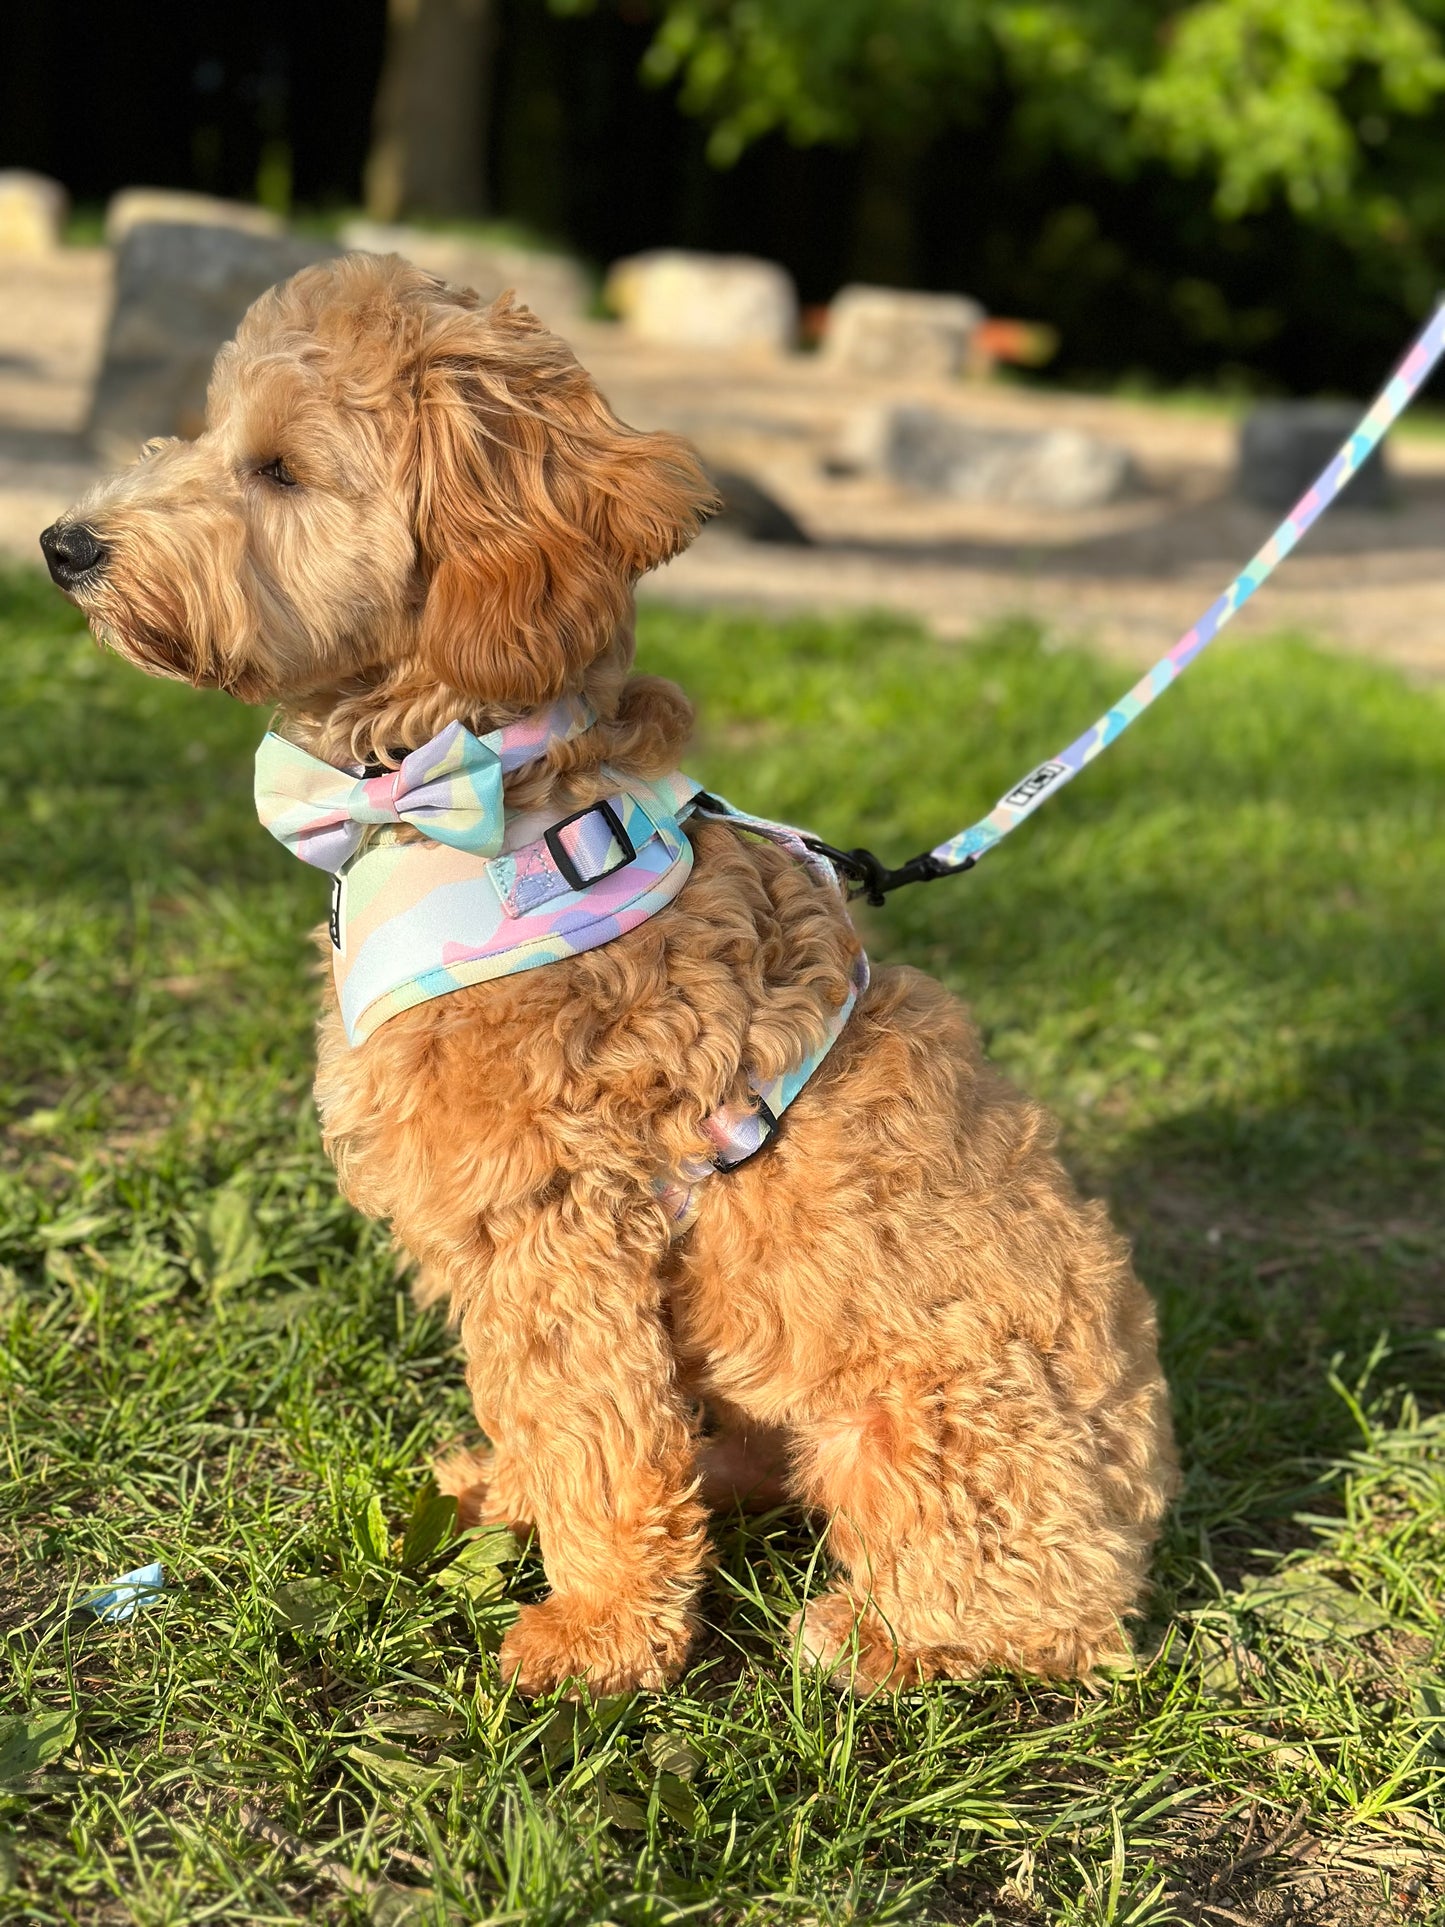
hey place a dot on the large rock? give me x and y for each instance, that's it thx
(179, 293)
(732, 302)
(946, 454)
(32, 212)
(894, 332)
(135, 207)
(1283, 446)
(553, 286)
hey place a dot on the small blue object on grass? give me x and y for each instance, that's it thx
(120, 1598)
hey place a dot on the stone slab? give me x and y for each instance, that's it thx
(1284, 445)
(32, 212)
(179, 294)
(937, 452)
(133, 207)
(895, 332)
(734, 303)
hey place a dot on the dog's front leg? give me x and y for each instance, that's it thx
(573, 1377)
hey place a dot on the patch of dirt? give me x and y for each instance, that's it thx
(52, 323)
(1250, 1867)
(1261, 1866)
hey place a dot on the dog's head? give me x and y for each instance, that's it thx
(397, 487)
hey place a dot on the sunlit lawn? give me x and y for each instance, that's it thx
(1217, 956)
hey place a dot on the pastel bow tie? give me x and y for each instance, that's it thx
(450, 789)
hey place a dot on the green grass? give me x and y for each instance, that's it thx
(1217, 956)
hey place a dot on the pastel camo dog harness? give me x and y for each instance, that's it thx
(484, 892)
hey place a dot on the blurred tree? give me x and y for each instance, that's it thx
(1272, 100)
(433, 102)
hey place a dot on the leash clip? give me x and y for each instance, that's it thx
(871, 878)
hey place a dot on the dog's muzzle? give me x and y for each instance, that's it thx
(72, 552)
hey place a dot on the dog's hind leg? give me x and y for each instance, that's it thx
(974, 1525)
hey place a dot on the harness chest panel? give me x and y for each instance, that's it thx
(416, 919)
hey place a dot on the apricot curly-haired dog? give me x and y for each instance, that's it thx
(410, 509)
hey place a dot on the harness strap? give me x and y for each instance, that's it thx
(584, 848)
(738, 1132)
(596, 842)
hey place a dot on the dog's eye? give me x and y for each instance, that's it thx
(278, 473)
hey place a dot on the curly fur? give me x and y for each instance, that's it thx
(901, 1316)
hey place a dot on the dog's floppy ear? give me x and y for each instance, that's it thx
(536, 509)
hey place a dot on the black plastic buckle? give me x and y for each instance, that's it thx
(869, 876)
(872, 879)
(766, 1113)
(571, 874)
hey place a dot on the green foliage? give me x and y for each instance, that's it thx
(27, 1744)
(1259, 92)
(1217, 956)
(1268, 97)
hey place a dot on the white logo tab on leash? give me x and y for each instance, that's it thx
(1035, 786)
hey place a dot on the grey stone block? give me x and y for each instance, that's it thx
(32, 212)
(134, 207)
(939, 453)
(1283, 446)
(735, 303)
(900, 333)
(180, 292)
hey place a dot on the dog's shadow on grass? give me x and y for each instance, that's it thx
(1297, 1252)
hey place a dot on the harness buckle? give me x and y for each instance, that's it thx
(563, 859)
(766, 1117)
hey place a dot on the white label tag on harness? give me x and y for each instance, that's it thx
(335, 922)
(1035, 786)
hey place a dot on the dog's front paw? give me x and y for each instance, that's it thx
(564, 1639)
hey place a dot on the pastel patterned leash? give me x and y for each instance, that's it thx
(962, 851)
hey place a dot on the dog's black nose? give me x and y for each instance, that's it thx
(71, 551)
